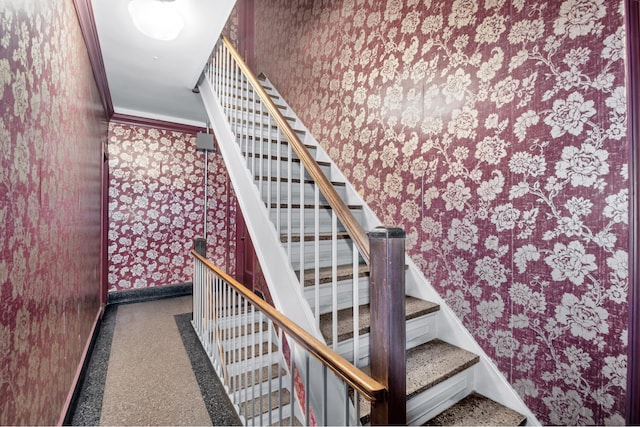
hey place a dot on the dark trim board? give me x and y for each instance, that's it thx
(74, 391)
(149, 294)
(155, 123)
(90, 35)
(86, 406)
(632, 17)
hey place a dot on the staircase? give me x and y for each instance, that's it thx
(450, 381)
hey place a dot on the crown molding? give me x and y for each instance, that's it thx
(126, 119)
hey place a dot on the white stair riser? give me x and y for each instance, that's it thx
(263, 146)
(257, 362)
(345, 294)
(242, 131)
(419, 331)
(324, 219)
(431, 402)
(269, 168)
(264, 388)
(275, 414)
(344, 253)
(246, 115)
(270, 189)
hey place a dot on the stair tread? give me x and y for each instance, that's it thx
(311, 237)
(433, 362)
(271, 141)
(312, 206)
(414, 307)
(256, 376)
(295, 180)
(478, 410)
(283, 158)
(261, 404)
(344, 272)
(428, 364)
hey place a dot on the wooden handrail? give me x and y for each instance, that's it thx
(352, 226)
(369, 388)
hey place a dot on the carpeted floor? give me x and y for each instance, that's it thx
(148, 368)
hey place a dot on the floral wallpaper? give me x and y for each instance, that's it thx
(495, 133)
(52, 129)
(156, 198)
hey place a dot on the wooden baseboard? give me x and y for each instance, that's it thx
(74, 391)
(149, 294)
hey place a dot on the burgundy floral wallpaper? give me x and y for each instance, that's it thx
(156, 198)
(52, 128)
(495, 133)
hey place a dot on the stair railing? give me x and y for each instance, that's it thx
(343, 212)
(239, 331)
(282, 168)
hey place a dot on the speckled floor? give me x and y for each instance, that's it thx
(148, 368)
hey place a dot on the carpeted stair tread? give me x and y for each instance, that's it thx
(414, 307)
(256, 376)
(478, 410)
(244, 352)
(311, 237)
(344, 272)
(255, 407)
(428, 364)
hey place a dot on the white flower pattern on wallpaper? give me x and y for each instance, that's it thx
(52, 128)
(494, 132)
(156, 198)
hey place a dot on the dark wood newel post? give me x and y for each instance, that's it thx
(200, 246)
(388, 329)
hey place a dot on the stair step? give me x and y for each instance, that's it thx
(324, 219)
(270, 190)
(434, 362)
(271, 132)
(344, 253)
(312, 238)
(233, 102)
(282, 159)
(271, 146)
(237, 350)
(242, 380)
(344, 272)
(254, 122)
(478, 410)
(311, 206)
(256, 159)
(264, 115)
(259, 406)
(414, 308)
(295, 180)
(428, 365)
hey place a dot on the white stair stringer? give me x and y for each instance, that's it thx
(272, 256)
(284, 287)
(486, 378)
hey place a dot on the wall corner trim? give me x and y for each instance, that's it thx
(90, 34)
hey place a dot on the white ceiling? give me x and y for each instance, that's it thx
(154, 79)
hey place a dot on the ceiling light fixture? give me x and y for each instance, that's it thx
(158, 19)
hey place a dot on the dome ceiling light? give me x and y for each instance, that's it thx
(158, 19)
